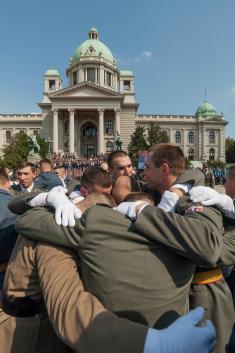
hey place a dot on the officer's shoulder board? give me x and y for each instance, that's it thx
(195, 208)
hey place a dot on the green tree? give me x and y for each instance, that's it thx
(17, 151)
(44, 147)
(156, 135)
(230, 150)
(137, 143)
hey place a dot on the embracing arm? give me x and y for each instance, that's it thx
(39, 224)
(196, 235)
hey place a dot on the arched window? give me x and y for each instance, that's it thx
(89, 131)
(212, 137)
(35, 132)
(178, 137)
(211, 154)
(191, 154)
(191, 137)
(109, 146)
(8, 136)
(22, 131)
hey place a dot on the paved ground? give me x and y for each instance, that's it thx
(220, 188)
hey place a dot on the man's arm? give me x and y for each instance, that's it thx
(20, 203)
(197, 235)
(39, 224)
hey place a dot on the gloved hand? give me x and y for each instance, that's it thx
(41, 199)
(65, 210)
(130, 208)
(184, 336)
(168, 201)
(208, 197)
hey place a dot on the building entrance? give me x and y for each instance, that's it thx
(88, 139)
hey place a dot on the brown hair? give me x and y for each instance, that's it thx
(95, 176)
(25, 165)
(169, 154)
(231, 172)
(116, 154)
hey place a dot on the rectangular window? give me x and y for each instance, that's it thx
(109, 127)
(127, 85)
(75, 78)
(108, 78)
(52, 84)
(91, 74)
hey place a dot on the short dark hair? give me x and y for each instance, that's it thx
(116, 154)
(59, 166)
(25, 165)
(46, 161)
(95, 176)
(169, 154)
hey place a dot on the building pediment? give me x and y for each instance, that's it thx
(85, 90)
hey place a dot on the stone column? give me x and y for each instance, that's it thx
(101, 132)
(117, 121)
(55, 130)
(71, 130)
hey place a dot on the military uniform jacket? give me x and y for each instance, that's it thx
(144, 278)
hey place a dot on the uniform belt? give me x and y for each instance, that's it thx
(22, 307)
(207, 277)
(3, 267)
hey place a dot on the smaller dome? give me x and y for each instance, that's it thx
(206, 109)
(126, 73)
(52, 72)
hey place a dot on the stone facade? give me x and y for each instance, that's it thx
(99, 104)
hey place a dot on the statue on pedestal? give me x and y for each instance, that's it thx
(118, 141)
(34, 150)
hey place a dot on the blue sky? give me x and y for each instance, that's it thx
(176, 49)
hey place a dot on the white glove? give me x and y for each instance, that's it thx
(65, 210)
(129, 208)
(186, 187)
(76, 196)
(39, 201)
(208, 197)
(168, 201)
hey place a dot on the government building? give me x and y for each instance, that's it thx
(98, 104)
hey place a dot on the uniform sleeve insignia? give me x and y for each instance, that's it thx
(194, 209)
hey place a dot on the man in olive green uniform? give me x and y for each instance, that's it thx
(38, 271)
(78, 318)
(134, 276)
(209, 288)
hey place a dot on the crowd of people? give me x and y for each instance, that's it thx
(95, 258)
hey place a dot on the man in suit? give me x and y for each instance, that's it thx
(26, 173)
(8, 233)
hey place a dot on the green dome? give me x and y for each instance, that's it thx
(52, 72)
(93, 47)
(206, 109)
(126, 73)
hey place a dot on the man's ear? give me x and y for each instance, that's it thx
(165, 168)
(83, 191)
